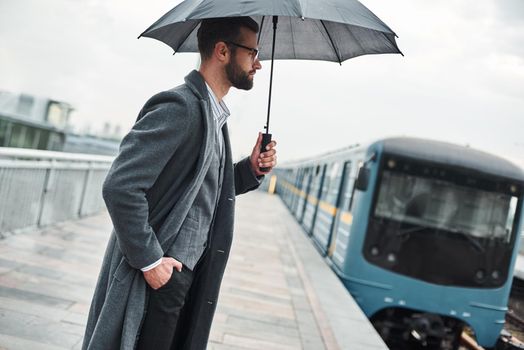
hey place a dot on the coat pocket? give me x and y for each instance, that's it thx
(122, 271)
(191, 224)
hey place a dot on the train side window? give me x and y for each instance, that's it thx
(343, 181)
(334, 177)
(306, 178)
(338, 193)
(360, 163)
(328, 178)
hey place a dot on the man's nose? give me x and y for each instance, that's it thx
(257, 65)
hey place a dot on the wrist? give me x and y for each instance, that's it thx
(151, 266)
(255, 170)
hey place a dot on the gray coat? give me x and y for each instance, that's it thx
(148, 192)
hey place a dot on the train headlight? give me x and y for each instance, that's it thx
(495, 275)
(374, 251)
(391, 163)
(480, 274)
(416, 335)
(392, 258)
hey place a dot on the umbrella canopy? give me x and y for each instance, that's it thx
(329, 30)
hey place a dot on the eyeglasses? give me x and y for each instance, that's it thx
(254, 52)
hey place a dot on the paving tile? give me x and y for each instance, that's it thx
(9, 263)
(263, 330)
(81, 308)
(253, 315)
(53, 314)
(254, 306)
(284, 300)
(41, 271)
(250, 343)
(301, 302)
(51, 287)
(312, 342)
(219, 346)
(36, 329)
(33, 297)
(9, 342)
(75, 318)
(230, 282)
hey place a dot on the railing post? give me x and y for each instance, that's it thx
(87, 179)
(49, 177)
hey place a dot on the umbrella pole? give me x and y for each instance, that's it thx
(275, 21)
(266, 137)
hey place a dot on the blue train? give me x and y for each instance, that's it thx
(423, 234)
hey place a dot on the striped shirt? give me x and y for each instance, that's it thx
(220, 115)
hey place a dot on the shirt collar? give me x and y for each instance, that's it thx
(219, 108)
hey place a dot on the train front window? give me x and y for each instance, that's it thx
(444, 226)
(442, 205)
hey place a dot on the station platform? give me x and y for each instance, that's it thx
(277, 293)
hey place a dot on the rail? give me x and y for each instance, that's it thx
(38, 188)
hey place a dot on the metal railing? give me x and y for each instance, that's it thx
(38, 188)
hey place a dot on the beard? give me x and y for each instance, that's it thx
(237, 77)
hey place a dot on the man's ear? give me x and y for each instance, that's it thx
(221, 51)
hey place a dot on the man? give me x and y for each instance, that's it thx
(170, 194)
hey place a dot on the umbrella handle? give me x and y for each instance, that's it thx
(266, 139)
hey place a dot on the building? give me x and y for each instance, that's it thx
(41, 123)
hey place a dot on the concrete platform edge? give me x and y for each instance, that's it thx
(328, 296)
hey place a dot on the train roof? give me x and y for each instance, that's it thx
(326, 157)
(455, 155)
(430, 150)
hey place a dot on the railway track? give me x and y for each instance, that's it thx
(513, 331)
(516, 321)
(514, 328)
(515, 314)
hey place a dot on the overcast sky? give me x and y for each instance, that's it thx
(461, 79)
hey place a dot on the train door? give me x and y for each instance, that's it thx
(310, 211)
(342, 197)
(294, 187)
(342, 229)
(327, 205)
(285, 186)
(301, 191)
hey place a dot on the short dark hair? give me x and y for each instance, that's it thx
(213, 30)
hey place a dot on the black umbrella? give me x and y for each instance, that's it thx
(329, 30)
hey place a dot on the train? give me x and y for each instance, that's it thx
(424, 234)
